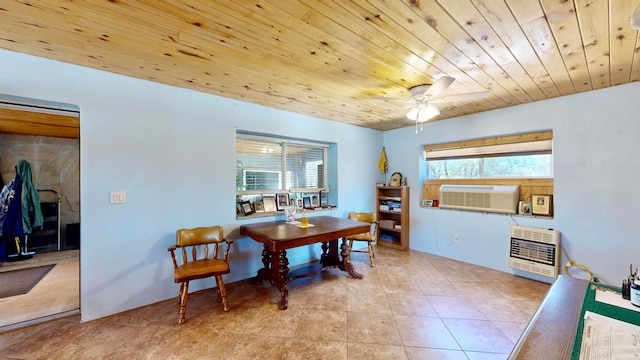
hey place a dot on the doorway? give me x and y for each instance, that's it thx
(45, 134)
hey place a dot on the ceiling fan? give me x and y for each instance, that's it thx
(424, 96)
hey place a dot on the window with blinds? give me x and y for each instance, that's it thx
(269, 164)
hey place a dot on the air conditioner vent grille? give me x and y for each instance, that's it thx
(477, 200)
(487, 198)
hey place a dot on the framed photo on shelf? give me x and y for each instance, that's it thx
(257, 206)
(524, 208)
(314, 201)
(246, 207)
(306, 202)
(283, 200)
(299, 203)
(269, 204)
(323, 200)
(542, 205)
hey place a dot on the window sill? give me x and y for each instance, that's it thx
(281, 213)
(489, 213)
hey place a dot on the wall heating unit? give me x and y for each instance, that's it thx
(535, 250)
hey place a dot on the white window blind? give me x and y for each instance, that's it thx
(275, 164)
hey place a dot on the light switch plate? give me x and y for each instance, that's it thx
(118, 197)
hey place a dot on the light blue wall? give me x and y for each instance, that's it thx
(596, 145)
(173, 151)
(168, 148)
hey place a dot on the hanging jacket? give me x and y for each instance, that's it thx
(11, 209)
(31, 211)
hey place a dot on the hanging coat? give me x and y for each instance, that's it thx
(10, 209)
(31, 211)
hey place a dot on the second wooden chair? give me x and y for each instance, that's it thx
(369, 237)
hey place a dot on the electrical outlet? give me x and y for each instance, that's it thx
(456, 237)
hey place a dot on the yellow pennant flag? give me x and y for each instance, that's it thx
(382, 164)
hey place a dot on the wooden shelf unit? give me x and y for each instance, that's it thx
(395, 238)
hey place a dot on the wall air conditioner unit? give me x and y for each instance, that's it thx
(535, 250)
(486, 198)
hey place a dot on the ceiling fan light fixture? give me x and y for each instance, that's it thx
(635, 19)
(413, 113)
(427, 113)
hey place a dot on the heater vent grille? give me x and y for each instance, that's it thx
(535, 250)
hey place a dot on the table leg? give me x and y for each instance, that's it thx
(346, 261)
(266, 258)
(263, 274)
(323, 257)
(283, 270)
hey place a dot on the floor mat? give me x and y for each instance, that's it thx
(18, 282)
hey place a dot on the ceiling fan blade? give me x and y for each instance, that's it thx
(391, 99)
(439, 86)
(396, 110)
(461, 97)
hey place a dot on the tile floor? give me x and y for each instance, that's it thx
(411, 305)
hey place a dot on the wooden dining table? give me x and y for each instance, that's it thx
(279, 236)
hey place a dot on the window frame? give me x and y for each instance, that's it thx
(528, 185)
(501, 146)
(284, 170)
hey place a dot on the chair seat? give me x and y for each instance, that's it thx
(200, 269)
(362, 237)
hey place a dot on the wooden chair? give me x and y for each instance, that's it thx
(202, 245)
(369, 237)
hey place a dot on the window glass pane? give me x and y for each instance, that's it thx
(503, 166)
(273, 164)
(259, 165)
(518, 166)
(305, 166)
(454, 169)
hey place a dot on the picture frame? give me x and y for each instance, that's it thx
(306, 202)
(290, 213)
(246, 208)
(299, 203)
(314, 201)
(282, 201)
(427, 203)
(269, 204)
(258, 207)
(524, 208)
(542, 205)
(323, 200)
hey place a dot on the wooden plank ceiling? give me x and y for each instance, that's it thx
(328, 58)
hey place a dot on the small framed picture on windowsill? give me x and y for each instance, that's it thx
(246, 207)
(306, 202)
(269, 204)
(524, 208)
(282, 201)
(542, 205)
(314, 201)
